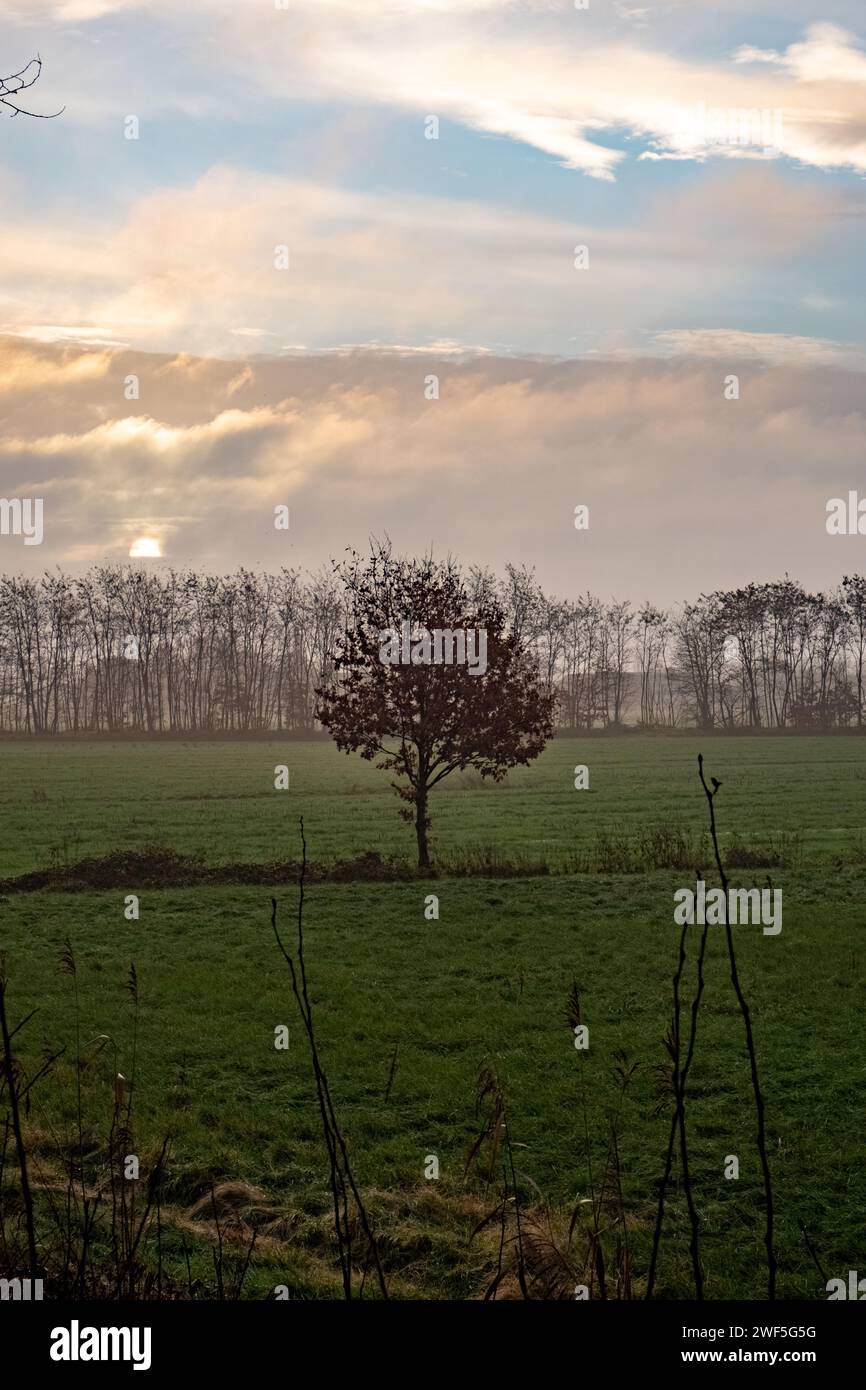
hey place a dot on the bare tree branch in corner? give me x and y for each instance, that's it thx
(12, 86)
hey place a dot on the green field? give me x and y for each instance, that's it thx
(217, 798)
(487, 981)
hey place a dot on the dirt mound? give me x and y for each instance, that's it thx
(157, 866)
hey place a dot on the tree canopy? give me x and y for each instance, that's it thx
(392, 698)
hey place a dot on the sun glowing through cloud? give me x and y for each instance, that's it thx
(145, 548)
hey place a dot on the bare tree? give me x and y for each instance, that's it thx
(122, 647)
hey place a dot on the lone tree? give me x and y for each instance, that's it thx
(11, 88)
(428, 679)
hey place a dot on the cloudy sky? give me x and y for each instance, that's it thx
(283, 256)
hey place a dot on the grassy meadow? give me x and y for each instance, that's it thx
(539, 885)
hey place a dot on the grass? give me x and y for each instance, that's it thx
(488, 981)
(65, 800)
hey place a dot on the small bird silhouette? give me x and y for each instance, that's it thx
(716, 783)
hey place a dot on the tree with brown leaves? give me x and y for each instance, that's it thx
(401, 693)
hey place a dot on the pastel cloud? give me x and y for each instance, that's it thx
(777, 348)
(560, 81)
(194, 268)
(686, 489)
(557, 87)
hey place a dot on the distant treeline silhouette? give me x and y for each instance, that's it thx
(126, 648)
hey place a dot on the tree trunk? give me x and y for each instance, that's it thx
(421, 828)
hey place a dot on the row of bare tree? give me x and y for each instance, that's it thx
(130, 648)
(765, 656)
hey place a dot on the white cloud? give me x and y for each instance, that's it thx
(576, 86)
(557, 89)
(829, 53)
(732, 345)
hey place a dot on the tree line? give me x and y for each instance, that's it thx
(127, 648)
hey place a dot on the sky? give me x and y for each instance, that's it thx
(444, 269)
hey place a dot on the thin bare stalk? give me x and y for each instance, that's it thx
(750, 1042)
(342, 1178)
(20, 1149)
